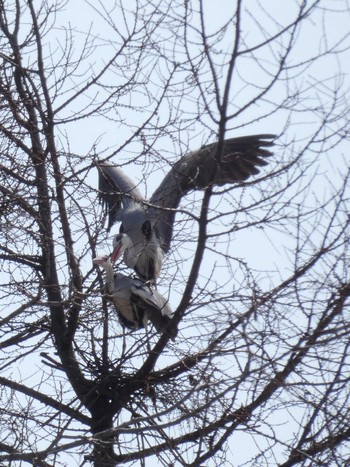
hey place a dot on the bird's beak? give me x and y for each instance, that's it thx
(116, 253)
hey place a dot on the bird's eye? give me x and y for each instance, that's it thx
(121, 228)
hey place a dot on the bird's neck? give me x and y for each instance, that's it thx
(110, 278)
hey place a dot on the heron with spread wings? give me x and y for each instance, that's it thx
(146, 227)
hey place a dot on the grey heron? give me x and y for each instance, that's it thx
(135, 302)
(146, 227)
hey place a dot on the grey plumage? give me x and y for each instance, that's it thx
(135, 302)
(149, 225)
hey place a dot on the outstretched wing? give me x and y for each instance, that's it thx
(238, 159)
(117, 192)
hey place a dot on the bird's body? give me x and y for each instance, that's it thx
(147, 227)
(144, 255)
(135, 302)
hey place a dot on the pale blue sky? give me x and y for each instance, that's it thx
(263, 250)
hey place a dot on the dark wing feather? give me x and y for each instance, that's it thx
(238, 160)
(133, 325)
(117, 191)
(130, 316)
(152, 303)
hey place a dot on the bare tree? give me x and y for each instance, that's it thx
(258, 274)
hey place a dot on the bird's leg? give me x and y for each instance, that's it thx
(145, 324)
(150, 286)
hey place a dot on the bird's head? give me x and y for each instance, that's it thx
(121, 242)
(101, 261)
